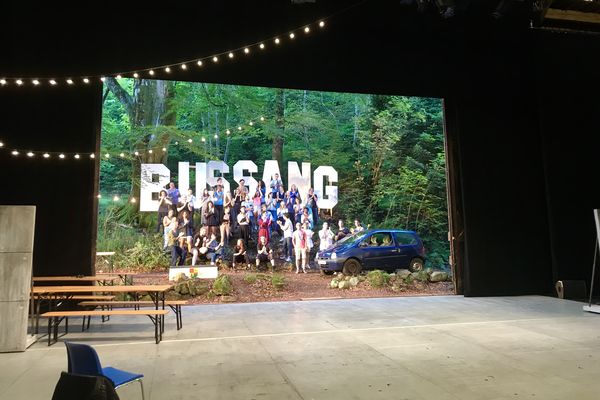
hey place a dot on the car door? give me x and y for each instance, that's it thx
(378, 250)
(405, 243)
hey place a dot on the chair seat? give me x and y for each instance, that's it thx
(120, 377)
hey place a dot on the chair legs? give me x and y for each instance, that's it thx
(141, 386)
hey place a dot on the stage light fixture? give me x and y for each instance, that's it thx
(61, 156)
(19, 82)
(46, 155)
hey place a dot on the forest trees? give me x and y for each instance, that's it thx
(388, 150)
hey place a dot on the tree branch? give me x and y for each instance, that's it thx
(120, 93)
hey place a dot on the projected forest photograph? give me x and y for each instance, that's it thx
(387, 152)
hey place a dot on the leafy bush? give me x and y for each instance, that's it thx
(278, 281)
(222, 286)
(250, 278)
(378, 278)
(146, 254)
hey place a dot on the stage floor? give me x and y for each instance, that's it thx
(392, 348)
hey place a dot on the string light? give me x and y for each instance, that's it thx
(183, 65)
(122, 155)
(30, 154)
(250, 123)
(227, 131)
(1, 144)
(132, 200)
(262, 118)
(99, 196)
(203, 139)
(61, 156)
(116, 198)
(14, 153)
(164, 149)
(76, 156)
(92, 155)
(216, 136)
(46, 155)
(239, 128)
(137, 153)
(150, 151)
(107, 155)
(190, 140)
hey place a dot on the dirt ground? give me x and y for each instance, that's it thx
(309, 286)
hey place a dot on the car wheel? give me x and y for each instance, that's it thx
(416, 265)
(352, 267)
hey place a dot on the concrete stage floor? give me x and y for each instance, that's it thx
(392, 348)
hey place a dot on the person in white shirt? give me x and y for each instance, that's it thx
(309, 242)
(325, 237)
(287, 228)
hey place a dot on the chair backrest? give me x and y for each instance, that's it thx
(83, 359)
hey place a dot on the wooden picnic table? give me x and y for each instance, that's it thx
(55, 293)
(126, 277)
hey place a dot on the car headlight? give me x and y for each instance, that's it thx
(333, 256)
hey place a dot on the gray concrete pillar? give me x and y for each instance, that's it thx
(17, 227)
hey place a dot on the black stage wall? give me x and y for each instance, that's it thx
(521, 115)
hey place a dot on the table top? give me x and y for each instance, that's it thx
(116, 273)
(75, 278)
(104, 289)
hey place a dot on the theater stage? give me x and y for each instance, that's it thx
(393, 348)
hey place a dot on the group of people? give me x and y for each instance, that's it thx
(256, 217)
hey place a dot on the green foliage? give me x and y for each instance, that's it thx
(222, 286)
(278, 281)
(250, 278)
(145, 254)
(378, 278)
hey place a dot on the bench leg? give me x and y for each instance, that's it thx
(88, 324)
(66, 325)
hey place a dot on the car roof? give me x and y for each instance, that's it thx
(389, 230)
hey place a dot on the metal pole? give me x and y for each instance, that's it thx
(597, 218)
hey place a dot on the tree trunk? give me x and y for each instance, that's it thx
(277, 151)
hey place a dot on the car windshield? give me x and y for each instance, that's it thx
(351, 239)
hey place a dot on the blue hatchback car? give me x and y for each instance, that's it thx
(384, 249)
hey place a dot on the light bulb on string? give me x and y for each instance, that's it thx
(102, 79)
(150, 151)
(215, 59)
(99, 196)
(86, 80)
(164, 149)
(190, 140)
(19, 82)
(107, 155)
(61, 156)
(167, 69)
(227, 131)
(132, 200)
(118, 77)
(199, 63)
(52, 82)
(116, 198)
(14, 153)
(151, 72)
(35, 82)
(29, 154)
(261, 46)
(70, 81)
(250, 123)
(230, 55)
(239, 128)
(216, 136)
(183, 66)
(262, 118)
(92, 155)
(276, 40)
(176, 143)
(321, 24)
(2, 82)
(122, 155)
(46, 155)
(1, 144)
(246, 50)
(136, 75)
(203, 139)
(306, 29)
(76, 156)
(136, 153)
(292, 35)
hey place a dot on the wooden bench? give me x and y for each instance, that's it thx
(56, 317)
(174, 304)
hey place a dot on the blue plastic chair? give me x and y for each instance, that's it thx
(83, 360)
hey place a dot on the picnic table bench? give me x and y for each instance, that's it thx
(175, 305)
